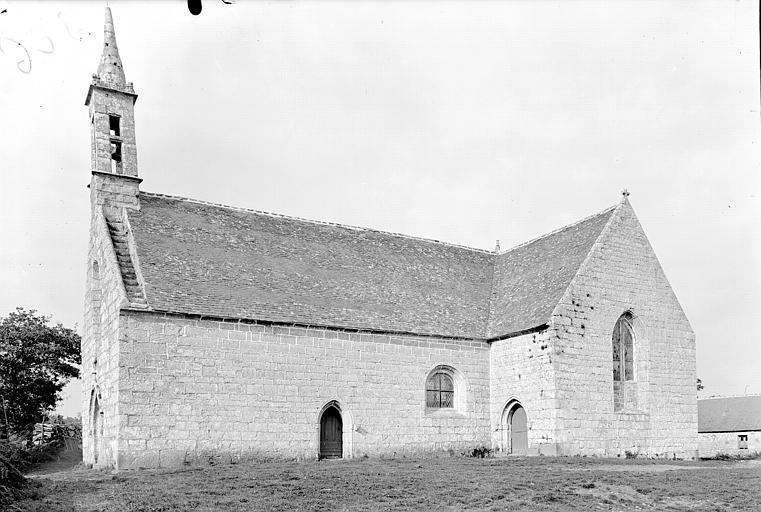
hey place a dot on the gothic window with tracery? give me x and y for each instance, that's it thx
(623, 349)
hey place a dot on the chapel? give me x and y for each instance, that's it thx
(227, 333)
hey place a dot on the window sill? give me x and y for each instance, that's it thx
(444, 413)
(631, 412)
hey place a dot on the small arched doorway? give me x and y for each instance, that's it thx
(331, 433)
(514, 429)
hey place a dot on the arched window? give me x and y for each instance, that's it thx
(96, 426)
(623, 349)
(439, 390)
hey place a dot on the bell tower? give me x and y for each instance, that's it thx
(113, 152)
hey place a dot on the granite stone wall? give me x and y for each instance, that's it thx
(521, 371)
(104, 101)
(175, 388)
(105, 292)
(192, 388)
(104, 298)
(658, 417)
(711, 444)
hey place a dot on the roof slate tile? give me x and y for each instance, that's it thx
(204, 259)
(529, 280)
(730, 414)
(214, 260)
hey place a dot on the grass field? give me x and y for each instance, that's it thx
(452, 483)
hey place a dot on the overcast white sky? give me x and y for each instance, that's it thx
(459, 121)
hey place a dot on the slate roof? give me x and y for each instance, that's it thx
(214, 260)
(730, 414)
(529, 280)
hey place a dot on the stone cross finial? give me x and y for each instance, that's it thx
(625, 193)
(496, 248)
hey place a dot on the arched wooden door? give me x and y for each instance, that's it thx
(518, 431)
(331, 434)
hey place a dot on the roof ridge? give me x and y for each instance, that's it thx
(319, 222)
(558, 230)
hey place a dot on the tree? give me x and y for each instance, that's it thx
(36, 362)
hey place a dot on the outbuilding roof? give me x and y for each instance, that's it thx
(730, 414)
(215, 260)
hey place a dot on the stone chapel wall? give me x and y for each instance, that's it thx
(100, 352)
(521, 370)
(659, 416)
(192, 388)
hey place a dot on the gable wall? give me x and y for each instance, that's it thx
(660, 415)
(103, 299)
(190, 388)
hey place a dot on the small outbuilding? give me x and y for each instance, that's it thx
(729, 425)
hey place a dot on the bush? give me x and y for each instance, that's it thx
(481, 451)
(18, 455)
(12, 483)
(24, 456)
(737, 456)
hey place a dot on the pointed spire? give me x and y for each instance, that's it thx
(496, 248)
(110, 70)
